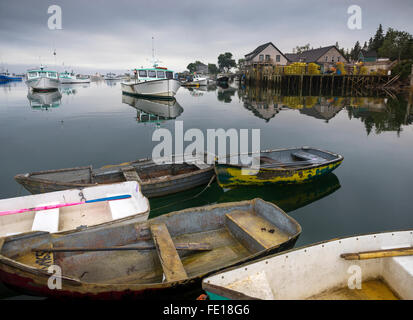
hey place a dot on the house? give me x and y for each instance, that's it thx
(266, 54)
(326, 57)
(201, 68)
(368, 56)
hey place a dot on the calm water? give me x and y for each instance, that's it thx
(93, 124)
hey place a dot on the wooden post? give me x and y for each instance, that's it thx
(411, 77)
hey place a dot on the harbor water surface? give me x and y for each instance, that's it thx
(95, 124)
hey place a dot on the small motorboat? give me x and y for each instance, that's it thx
(156, 179)
(222, 78)
(111, 76)
(197, 80)
(152, 82)
(367, 267)
(141, 260)
(67, 210)
(281, 166)
(42, 80)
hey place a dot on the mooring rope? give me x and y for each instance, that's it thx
(193, 197)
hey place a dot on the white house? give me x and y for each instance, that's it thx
(266, 54)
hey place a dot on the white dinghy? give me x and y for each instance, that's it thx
(70, 209)
(375, 266)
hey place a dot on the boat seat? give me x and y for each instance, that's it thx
(121, 208)
(202, 165)
(308, 157)
(253, 231)
(130, 174)
(46, 220)
(171, 263)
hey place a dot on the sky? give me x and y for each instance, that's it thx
(116, 35)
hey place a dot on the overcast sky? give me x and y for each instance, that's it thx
(116, 34)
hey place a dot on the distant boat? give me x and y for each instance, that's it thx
(197, 80)
(54, 212)
(42, 80)
(156, 179)
(376, 266)
(222, 78)
(281, 166)
(70, 77)
(141, 260)
(5, 77)
(152, 82)
(111, 76)
(44, 100)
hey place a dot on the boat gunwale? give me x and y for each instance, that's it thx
(237, 295)
(339, 158)
(94, 288)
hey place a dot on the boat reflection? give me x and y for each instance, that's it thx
(287, 197)
(44, 100)
(153, 110)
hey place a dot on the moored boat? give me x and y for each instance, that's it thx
(111, 76)
(374, 266)
(67, 210)
(222, 78)
(141, 260)
(42, 80)
(156, 179)
(281, 166)
(197, 80)
(70, 77)
(152, 82)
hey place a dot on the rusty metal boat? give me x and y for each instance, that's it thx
(161, 257)
(155, 179)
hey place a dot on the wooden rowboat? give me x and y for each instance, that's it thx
(60, 210)
(141, 260)
(374, 266)
(281, 166)
(156, 179)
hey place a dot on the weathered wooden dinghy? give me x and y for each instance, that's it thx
(158, 258)
(374, 266)
(67, 210)
(282, 166)
(156, 179)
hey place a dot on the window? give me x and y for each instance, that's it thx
(143, 73)
(338, 59)
(32, 74)
(161, 74)
(277, 58)
(52, 74)
(332, 59)
(152, 73)
(261, 57)
(326, 58)
(267, 57)
(169, 75)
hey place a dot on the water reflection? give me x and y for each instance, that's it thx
(379, 113)
(44, 100)
(153, 110)
(287, 197)
(225, 93)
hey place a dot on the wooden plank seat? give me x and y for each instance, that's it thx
(46, 220)
(202, 165)
(302, 155)
(254, 232)
(130, 174)
(171, 263)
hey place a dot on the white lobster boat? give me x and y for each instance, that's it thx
(374, 266)
(70, 77)
(152, 82)
(96, 209)
(42, 80)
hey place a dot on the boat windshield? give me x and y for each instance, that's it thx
(169, 75)
(160, 74)
(52, 74)
(32, 74)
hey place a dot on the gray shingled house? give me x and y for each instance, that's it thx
(266, 54)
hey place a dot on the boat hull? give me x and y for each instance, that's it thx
(166, 88)
(43, 84)
(200, 223)
(234, 175)
(73, 81)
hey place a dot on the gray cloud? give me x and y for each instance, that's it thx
(117, 34)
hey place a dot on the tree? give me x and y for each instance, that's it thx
(397, 45)
(378, 39)
(192, 67)
(212, 68)
(225, 62)
(355, 51)
(301, 49)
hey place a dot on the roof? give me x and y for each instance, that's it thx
(369, 54)
(310, 55)
(262, 47)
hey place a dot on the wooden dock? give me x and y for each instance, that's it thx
(357, 84)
